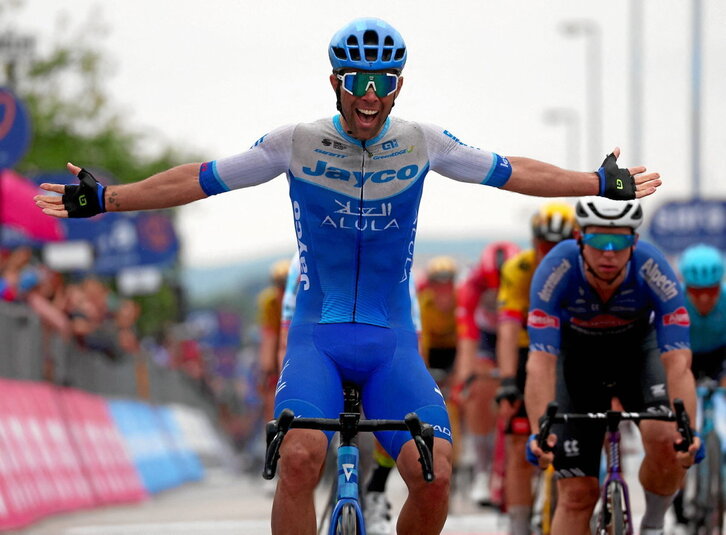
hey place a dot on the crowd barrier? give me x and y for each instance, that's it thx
(64, 449)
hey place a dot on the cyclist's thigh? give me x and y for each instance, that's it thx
(642, 385)
(400, 386)
(309, 383)
(577, 452)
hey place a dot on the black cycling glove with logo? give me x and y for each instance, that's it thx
(615, 183)
(86, 199)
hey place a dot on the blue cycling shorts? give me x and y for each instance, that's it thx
(383, 362)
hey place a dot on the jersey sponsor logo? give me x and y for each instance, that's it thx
(452, 136)
(601, 321)
(337, 145)
(394, 154)
(443, 430)
(555, 277)
(539, 319)
(663, 287)
(361, 177)
(389, 145)
(259, 141)
(678, 317)
(373, 218)
(301, 247)
(333, 154)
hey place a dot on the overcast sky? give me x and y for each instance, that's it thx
(215, 76)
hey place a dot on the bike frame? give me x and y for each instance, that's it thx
(614, 470)
(349, 425)
(614, 465)
(348, 457)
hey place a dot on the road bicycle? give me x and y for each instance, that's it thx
(703, 494)
(615, 515)
(347, 517)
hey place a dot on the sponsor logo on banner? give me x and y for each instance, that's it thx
(678, 317)
(539, 319)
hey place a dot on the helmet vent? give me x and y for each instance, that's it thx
(370, 38)
(399, 54)
(354, 54)
(340, 53)
(371, 54)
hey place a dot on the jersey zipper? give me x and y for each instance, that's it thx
(359, 233)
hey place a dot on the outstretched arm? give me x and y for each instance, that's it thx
(533, 177)
(173, 187)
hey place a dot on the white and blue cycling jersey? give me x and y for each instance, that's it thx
(355, 206)
(708, 332)
(563, 303)
(292, 284)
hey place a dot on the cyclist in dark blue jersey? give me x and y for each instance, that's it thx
(355, 182)
(607, 320)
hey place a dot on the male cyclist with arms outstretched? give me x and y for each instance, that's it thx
(355, 181)
(607, 319)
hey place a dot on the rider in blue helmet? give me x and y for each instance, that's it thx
(702, 268)
(366, 54)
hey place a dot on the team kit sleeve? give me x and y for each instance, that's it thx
(670, 315)
(545, 317)
(454, 159)
(267, 158)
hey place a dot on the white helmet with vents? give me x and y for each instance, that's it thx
(604, 212)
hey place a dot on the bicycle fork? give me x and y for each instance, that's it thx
(348, 462)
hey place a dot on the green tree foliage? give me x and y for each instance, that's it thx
(72, 116)
(73, 119)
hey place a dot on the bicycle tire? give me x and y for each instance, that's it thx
(347, 523)
(713, 487)
(612, 519)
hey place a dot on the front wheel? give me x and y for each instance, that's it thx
(347, 523)
(612, 516)
(714, 502)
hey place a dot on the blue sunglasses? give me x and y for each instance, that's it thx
(609, 242)
(358, 83)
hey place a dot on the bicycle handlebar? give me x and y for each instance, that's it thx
(422, 434)
(613, 418)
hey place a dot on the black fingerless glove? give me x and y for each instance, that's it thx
(508, 390)
(615, 183)
(86, 199)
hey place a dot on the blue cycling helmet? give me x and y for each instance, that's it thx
(702, 266)
(369, 44)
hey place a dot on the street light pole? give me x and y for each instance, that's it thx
(569, 118)
(696, 100)
(593, 83)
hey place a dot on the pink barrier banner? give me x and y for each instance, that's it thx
(59, 451)
(18, 479)
(101, 448)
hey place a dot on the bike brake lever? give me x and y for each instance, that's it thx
(423, 437)
(545, 423)
(276, 431)
(683, 423)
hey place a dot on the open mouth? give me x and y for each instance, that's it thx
(366, 116)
